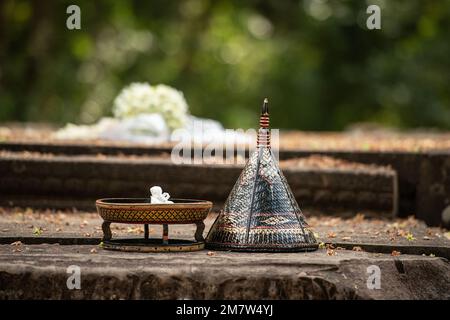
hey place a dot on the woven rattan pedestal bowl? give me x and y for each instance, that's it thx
(141, 211)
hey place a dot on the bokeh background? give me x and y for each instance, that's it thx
(315, 59)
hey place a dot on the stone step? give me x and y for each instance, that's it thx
(37, 266)
(371, 234)
(42, 272)
(34, 179)
(423, 175)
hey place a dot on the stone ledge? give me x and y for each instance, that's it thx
(84, 228)
(423, 173)
(57, 180)
(39, 272)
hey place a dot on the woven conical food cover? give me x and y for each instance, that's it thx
(261, 213)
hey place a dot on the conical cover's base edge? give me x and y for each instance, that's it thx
(300, 247)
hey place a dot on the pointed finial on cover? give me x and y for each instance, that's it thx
(264, 118)
(263, 138)
(265, 107)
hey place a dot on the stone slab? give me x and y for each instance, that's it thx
(423, 174)
(61, 180)
(40, 272)
(372, 234)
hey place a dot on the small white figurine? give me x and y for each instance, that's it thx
(158, 196)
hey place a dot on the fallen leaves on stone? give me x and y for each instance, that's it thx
(37, 231)
(346, 238)
(395, 253)
(135, 230)
(84, 224)
(322, 245)
(356, 248)
(375, 235)
(93, 250)
(359, 218)
(409, 236)
(331, 234)
(17, 246)
(331, 250)
(211, 253)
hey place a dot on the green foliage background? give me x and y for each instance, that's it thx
(316, 61)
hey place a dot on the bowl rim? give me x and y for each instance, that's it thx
(139, 202)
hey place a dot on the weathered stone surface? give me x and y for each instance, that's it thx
(421, 191)
(423, 178)
(407, 236)
(34, 269)
(40, 271)
(61, 180)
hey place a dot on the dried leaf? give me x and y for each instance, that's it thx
(401, 233)
(211, 253)
(346, 238)
(17, 243)
(331, 234)
(409, 236)
(396, 253)
(93, 250)
(356, 248)
(359, 217)
(37, 231)
(135, 230)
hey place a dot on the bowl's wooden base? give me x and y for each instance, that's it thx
(164, 242)
(152, 245)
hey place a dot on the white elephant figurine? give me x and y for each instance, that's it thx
(158, 197)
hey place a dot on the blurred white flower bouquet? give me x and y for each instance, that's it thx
(142, 98)
(147, 114)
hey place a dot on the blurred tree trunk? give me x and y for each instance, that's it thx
(37, 39)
